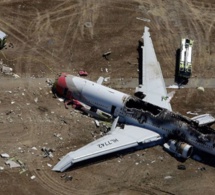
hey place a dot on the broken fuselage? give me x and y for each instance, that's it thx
(134, 111)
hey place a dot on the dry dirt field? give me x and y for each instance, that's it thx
(56, 36)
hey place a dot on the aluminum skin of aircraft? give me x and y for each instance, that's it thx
(145, 121)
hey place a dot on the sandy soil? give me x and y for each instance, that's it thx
(70, 35)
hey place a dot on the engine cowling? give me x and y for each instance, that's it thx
(181, 149)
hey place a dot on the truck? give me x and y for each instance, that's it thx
(2, 39)
(185, 66)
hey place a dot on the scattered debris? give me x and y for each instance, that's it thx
(181, 167)
(174, 87)
(170, 95)
(143, 19)
(47, 152)
(106, 69)
(97, 123)
(106, 79)
(82, 73)
(168, 177)
(88, 24)
(5, 155)
(6, 70)
(49, 82)
(60, 99)
(16, 76)
(58, 136)
(34, 148)
(68, 178)
(49, 165)
(62, 176)
(106, 54)
(192, 113)
(202, 169)
(33, 177)
(1, 168)
(201, 89)
(36, 99)
(12, 163)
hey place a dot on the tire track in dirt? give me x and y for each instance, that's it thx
(55, 186)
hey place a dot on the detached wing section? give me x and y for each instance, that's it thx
(119, 139)
(153, 83)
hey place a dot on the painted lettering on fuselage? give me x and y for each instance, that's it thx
(107, 143)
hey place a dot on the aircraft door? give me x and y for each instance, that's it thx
(115, 111)
(113, 108)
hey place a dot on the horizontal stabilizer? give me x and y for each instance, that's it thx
(117, 140)
(204, 119)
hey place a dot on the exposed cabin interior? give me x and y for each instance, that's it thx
(139, 104)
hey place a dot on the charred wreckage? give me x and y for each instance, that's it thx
(173, 127)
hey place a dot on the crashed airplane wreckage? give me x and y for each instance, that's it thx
(145, 122)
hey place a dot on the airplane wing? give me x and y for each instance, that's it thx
(153, 83)
(117, 140)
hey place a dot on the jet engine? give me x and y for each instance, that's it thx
(181, 149)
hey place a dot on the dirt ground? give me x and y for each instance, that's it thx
(49, 37)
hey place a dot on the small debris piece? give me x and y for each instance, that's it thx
(88, 24)
(202, 169)
(60, 99)
(68, 178)
(106, 69)
(192, 113)
(49, 81)
(5, 155)
(82, 73)
(168, 177)
(97, 123)
(36, 99)
(58, 136)
(47, 152)
(16, 76)
(12, 164)
(6, 70)
(106, 79)
(34, 148)
(1, 168)
(49, 165)
(106, 54)
(201, 89)
(62, 176)
(143, 19)
(33, 177)
(181, 167)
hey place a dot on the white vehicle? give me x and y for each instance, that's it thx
(146, 122)
(185, 68)
(2, 39)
